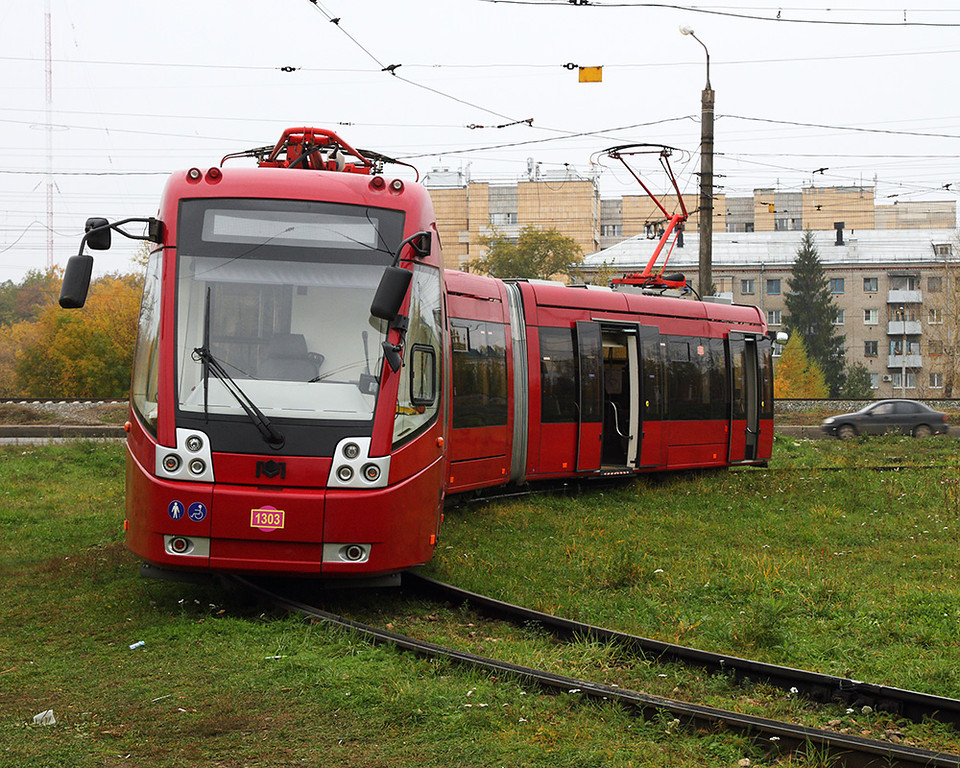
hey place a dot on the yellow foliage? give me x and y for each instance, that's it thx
(75, 353)
(797, 376)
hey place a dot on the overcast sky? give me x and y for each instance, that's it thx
(867, 92)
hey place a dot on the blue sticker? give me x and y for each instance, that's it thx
(175, 510)
(197, 511)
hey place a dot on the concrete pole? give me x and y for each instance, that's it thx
(706, 189)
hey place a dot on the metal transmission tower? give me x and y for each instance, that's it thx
(48, 127)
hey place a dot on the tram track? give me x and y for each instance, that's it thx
(843, 748)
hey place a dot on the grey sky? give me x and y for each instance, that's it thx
(140, 90)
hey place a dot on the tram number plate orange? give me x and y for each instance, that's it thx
(266, 518)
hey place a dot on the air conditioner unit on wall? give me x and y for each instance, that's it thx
(888, 378)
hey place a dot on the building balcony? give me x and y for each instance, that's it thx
(900, 328)
(904, 297)
(899, 362)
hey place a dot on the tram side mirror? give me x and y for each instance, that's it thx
(97, 234)
(76, 281)
(390, 293)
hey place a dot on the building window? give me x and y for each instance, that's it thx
(898, 314)
(898, 379)
(836, 285)
(934, 316)
(871, 348)
(611, 230)
(747, 287)
(936, 380)
(773, 317)
(935, 348)
(874, 381)
(503, 219)
(943, 249)
(871, 317)
(724, 284)
(935, 284)
(773, 287)
(905, 283)
(896, 347)
(838, 318)
(870, 285)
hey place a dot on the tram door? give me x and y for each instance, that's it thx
(610, 394)
(745, 395)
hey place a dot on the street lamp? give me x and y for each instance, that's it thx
(706, 177)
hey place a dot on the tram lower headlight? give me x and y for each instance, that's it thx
(371, 473)
(351, 450)
(198, 466)
(193, 443)
(171, 462)
(180, 545)
(345, 474)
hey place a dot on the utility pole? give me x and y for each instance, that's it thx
(705, 219)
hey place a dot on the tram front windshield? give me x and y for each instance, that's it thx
(278, 293)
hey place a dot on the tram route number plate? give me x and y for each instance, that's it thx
(266, 518)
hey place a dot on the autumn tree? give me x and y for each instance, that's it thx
(26, 299)
(82, 353)
(813, 312)
(795, 375)
(942, 330)
(537, 253)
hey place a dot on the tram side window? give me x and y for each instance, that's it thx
(765, 352)
(416, 410)
(739, 395)
(714, 370)
(652, 385)
(143, 385)
(558, 376)
(696, 379)
(479, 373)
(684, 382)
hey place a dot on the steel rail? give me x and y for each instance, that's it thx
(846, 750)
(912, 705)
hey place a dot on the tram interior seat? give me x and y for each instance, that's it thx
(288, 359)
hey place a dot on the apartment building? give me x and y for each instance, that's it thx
(889, 266)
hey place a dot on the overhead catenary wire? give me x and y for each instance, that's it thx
(775, 16)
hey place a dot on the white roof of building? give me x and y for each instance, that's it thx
(733, 249)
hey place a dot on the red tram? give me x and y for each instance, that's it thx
(308, 383)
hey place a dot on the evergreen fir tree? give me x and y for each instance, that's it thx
(857, 385)
(812, 313)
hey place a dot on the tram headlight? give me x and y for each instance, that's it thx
(345, 474)
(197, 466)
(171, 462)
(351, 450)
(180, 545)
(371, 473)
(194, 443)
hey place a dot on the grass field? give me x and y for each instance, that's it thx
(850, 572)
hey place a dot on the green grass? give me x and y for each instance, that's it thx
(846, 572)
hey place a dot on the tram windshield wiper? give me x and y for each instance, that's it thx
(259, 419)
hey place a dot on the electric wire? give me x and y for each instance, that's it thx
(778, 17)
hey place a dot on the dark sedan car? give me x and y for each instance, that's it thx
(907, 417)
